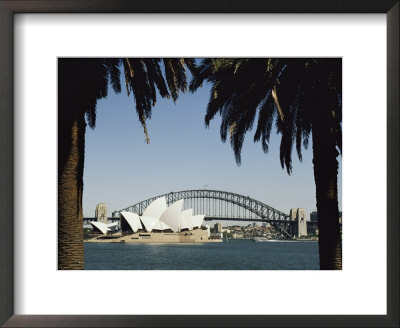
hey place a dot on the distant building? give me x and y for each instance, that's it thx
(314, 216)
(159, 223)
(237, 235)
(217, 228)
(312, 228)
(101, 213)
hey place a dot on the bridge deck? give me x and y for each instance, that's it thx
(215, 218)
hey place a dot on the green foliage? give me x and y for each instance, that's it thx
(86, 80)
(143, 77)
(287, 93)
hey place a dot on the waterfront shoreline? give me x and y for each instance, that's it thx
(188, 237)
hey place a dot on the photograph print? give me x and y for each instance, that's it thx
(199, 163)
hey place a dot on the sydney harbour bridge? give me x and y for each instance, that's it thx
(223, 206)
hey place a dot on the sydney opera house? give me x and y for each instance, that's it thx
(158, 223)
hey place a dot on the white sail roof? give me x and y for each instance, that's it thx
(157, 216)
(198, 220)
(161, 226)
(156, 208)
(101, 226)
(186, 221)
(148, 222)
(172, 214)
(133, 220)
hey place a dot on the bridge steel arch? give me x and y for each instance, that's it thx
(278, 219)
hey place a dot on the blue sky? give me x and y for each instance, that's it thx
(121, 169)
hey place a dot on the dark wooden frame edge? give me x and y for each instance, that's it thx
(10, 7)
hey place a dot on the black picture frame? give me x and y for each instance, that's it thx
(10, 7)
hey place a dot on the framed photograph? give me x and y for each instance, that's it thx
(185, 187)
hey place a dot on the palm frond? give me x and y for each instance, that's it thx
(144, 79)
(155, 76)
(114, 72)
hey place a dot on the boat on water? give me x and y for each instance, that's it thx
(264, 239)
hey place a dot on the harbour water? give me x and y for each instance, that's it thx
(233, 255)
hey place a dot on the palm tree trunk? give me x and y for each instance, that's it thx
(71, 147)
(325, 175)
